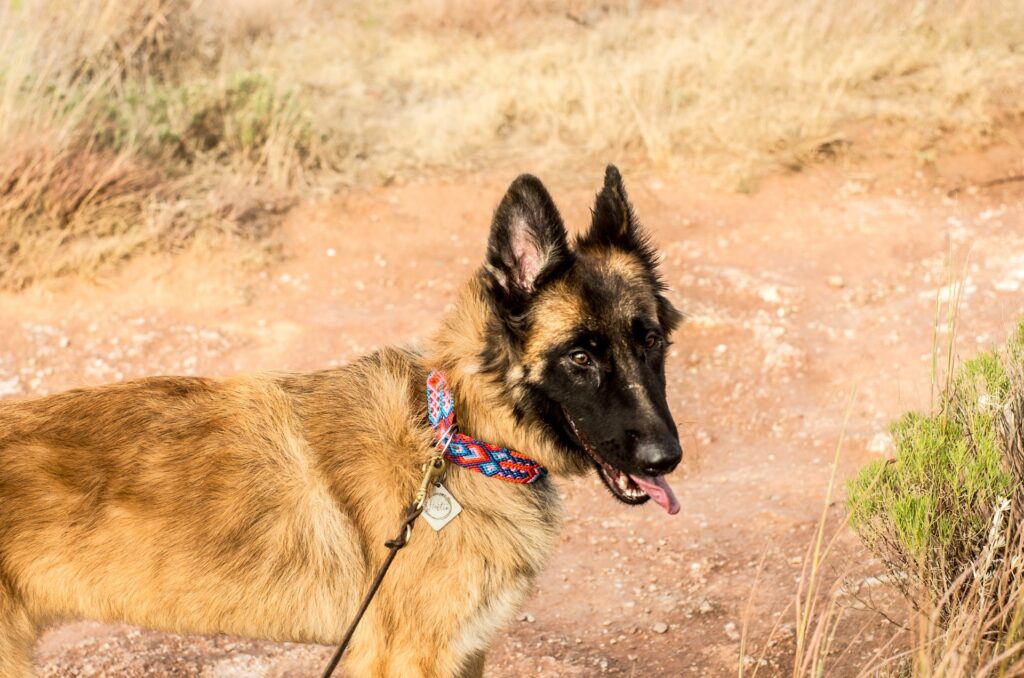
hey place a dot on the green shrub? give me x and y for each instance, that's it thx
(239, 119)
(142, 125)
(929, 512)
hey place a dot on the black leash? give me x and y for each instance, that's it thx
(433, 470)
(395, 545)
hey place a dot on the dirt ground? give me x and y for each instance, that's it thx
(812, 297)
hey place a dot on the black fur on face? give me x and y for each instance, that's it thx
(578, 337)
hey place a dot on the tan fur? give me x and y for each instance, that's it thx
(259, 506)
(624, 270)
(563, 310)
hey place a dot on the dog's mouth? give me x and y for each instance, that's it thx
(628, 488)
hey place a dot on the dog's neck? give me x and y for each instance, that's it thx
(482, 406)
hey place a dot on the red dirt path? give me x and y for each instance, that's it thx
(818, 287)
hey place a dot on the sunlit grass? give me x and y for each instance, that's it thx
(258, 103)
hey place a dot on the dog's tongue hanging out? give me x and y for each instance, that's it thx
(657, 489)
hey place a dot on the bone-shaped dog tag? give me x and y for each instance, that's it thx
(440, 507)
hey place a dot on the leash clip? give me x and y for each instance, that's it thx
(433, 471)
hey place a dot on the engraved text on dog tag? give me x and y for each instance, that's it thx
(440, 507)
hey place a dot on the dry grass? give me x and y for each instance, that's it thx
(118, 134)
(975, 627)
(732, 88)
(188, 98)
(964, 599)
(68, 208)
(822, 630)
(963, 602)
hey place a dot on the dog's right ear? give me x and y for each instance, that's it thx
(528, 244)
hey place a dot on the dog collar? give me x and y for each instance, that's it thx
(458, 448)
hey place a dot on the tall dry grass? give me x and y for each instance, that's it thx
(736, 89)
(815, 635)
(209, 109)
(973, 626)
(982, 636)
(962, 608)
(119, 132)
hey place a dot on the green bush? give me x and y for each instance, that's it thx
(237, 119)
(929, 512)
(145, 125)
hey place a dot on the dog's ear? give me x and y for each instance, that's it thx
(614, 224)
(528, 243)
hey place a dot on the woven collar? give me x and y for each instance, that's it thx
(485, 458)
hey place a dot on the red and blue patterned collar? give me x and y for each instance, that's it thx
(485, 458)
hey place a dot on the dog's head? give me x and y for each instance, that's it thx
(580, 337)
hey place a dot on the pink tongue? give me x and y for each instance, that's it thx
(657, 488)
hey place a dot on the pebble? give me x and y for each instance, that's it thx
(882, 444)
(836, 282)
(769, 294)
(527, 617)
(10, 387)
(660, 627)
(731, 632)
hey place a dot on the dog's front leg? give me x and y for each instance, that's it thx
(406, 661)
(398, 644)
(17, 634)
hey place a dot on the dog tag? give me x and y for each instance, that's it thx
(440, 507)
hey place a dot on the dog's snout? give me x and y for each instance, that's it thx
(660, 456)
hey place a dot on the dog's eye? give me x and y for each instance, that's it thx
(581, 358)
(652, 341)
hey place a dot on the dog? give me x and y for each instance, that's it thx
(258, 505)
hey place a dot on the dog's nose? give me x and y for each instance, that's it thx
(658, 457)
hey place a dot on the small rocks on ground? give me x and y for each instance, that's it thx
(10, 387)
(881, 444)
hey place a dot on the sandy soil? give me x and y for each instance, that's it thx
(813, 297)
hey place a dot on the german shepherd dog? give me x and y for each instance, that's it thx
(258, 505)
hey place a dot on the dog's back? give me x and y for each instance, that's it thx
(199, 504)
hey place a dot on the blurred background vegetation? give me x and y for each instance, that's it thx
(156, 124)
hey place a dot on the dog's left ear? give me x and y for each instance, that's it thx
(615, 225)
(528, 243)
